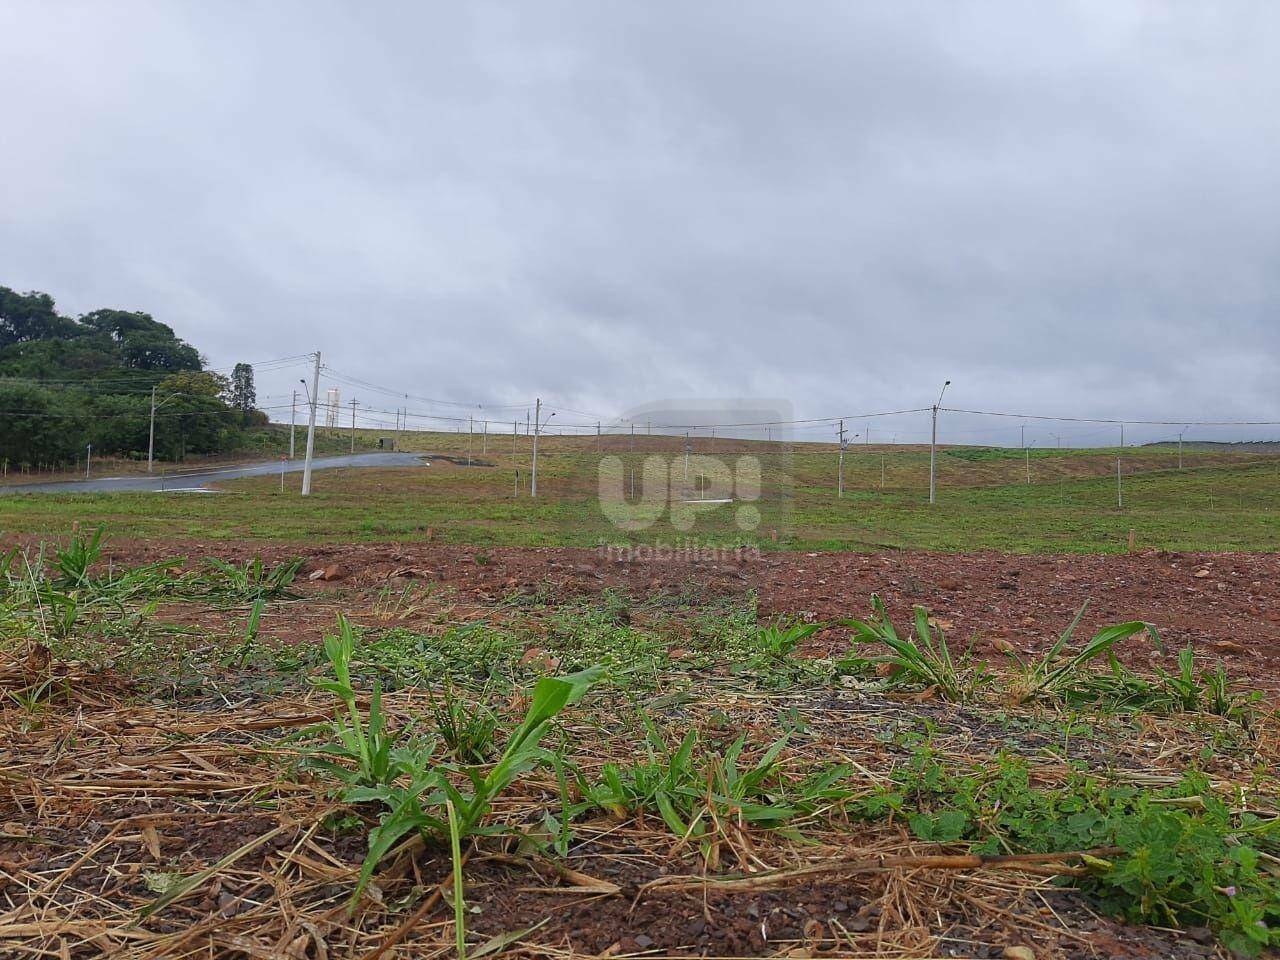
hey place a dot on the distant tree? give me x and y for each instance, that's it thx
(243, 395)
(198, 419)
(144, 343)
(66, 382)
(30, 316)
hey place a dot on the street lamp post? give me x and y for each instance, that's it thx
(933, 448)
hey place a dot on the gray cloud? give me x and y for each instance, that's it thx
(1066, 209)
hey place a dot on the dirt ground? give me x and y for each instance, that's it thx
(118, 791)
(1227, 605)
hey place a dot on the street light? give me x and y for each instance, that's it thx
(151, 437)
(933, 447)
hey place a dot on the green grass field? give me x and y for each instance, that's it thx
(1220, 501)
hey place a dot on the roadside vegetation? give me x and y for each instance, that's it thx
(67, 384)
(394, 768)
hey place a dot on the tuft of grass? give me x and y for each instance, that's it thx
(467, 729)
(920, 659)
(1059, 670)
(416, 790)
(780, 639)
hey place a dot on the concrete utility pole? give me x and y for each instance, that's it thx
(311, 427)
(293, 421)
(933, 448)
(537, 429)
(88, 456)
(840, 481)
(353, 426)
(1023, 428)
(151, 439)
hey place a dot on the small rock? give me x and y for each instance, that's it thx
(1200, 934)
(1201, 574)
(334, 571)
(644, 942)
(228, 905)
(1019, 953)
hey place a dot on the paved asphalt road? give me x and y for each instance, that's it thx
(200, 480)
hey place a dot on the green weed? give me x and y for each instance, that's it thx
(920, 659)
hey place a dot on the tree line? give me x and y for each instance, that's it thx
(68, 382)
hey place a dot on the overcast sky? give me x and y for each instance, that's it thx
(1066, 208)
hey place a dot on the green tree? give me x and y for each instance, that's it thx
(197, 418)
(67, 382)
(243, 395)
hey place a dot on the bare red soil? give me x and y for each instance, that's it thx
(1227, 604)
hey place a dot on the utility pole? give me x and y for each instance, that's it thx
(933, 448)
(353, 426)
(151, 439)
(311, 428)
(1023, 428)
(537, 429)
(632, 448)
(1180, 433)
(840, 481)
(87, 458)
(293, 418)
(484, 439)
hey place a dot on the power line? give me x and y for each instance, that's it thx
(1117, 421)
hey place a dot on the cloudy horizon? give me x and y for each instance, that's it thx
(1066, 210)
